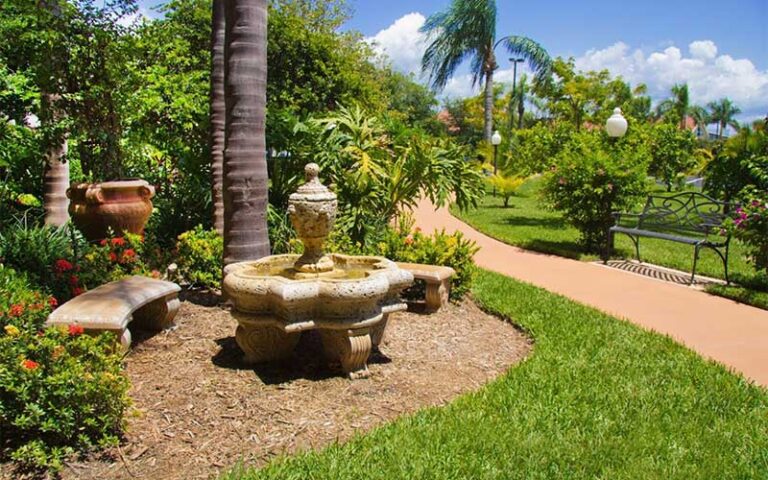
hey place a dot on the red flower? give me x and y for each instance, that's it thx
(112, 257)
(155, 274)
(53, 302)
(62, 265)
(77, 291)
(36, 307)
(118, 241)
(129, 253)
(73, 280)
(103, 242)
(16, 310)
(29, 364)
(75, 330)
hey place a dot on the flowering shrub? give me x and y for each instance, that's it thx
(406, 244)
(587, 185)
(109, 260)
(61, 391)
(750, 225)
(200, 254)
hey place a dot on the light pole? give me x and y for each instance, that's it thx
(514, 61)
(495, 141)
(616, 125)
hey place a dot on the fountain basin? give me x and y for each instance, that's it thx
(274, 302)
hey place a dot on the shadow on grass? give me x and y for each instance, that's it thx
(545, 223)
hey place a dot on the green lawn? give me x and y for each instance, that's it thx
(528, 224)
(599, 398)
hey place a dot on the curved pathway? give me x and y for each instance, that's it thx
(734, 334)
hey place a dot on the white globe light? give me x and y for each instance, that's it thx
(496, 138)
(616, 125)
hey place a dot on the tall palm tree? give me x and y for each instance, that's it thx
(517, 100)
(245, 165)
(723, 113)
(56, 170)
(218, 113)
(467, 30)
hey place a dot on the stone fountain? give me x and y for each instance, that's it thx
(346, 298)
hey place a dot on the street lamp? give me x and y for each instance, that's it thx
(616, 125)
(495, 141)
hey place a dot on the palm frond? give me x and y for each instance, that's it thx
(537, 56)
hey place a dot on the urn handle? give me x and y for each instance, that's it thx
(94, 195)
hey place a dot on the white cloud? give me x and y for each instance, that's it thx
(402, 43)
(704, 49)
(709, 76)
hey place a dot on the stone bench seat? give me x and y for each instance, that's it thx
(437, 279)
(145, 302)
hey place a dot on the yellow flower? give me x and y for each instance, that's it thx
(12, 331)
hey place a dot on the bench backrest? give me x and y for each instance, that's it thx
(686, 213)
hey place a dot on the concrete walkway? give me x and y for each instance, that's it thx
(734, 334)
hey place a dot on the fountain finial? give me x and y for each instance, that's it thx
(313, 211)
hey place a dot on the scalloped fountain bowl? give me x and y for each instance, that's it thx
(347, 298)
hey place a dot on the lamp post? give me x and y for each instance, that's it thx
(495, 141)
(616, 125)
(514, 61)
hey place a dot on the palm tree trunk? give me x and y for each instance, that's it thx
(520, 112)
(245, 166)
(488, 124)
(56, 171)
(218, 114)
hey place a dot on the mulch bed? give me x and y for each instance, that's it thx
(197, 410)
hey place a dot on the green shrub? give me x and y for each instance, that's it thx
(505, 186)
(109, 260)
(405, 244)
(34, 249)
(750, 225)
(588, 183)
(200, 254)
(61, 391)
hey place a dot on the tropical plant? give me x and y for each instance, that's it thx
(676, 108)
(723, 112)
(505, 186)
(701, 118)
(739, 163)
(33, 249)
(467, 30)
(245, 167)
(750, 225)
(376, 176)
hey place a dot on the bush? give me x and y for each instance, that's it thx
(405, 244)
(672, 154)
(750, 225)
(505, 186)
(34, 249)
(61, 391)
(200, 254)
(587, 184)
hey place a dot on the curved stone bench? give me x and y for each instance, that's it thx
(148, 303)
(438, 282)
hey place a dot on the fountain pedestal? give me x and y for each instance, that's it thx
(347, 298)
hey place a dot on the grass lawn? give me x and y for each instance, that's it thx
(528, 224)
(599, 398)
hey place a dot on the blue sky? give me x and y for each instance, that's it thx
(719, 48)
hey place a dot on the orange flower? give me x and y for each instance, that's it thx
(408, 240)
(75, 330)
(58, 351)
(129, 253)
(29, 364)
(16, 310)
(155, 274)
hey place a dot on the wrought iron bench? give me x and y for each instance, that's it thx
(690, 217)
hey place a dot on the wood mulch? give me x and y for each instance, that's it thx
(197, 410)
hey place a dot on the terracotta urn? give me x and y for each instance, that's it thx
(122, 205)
